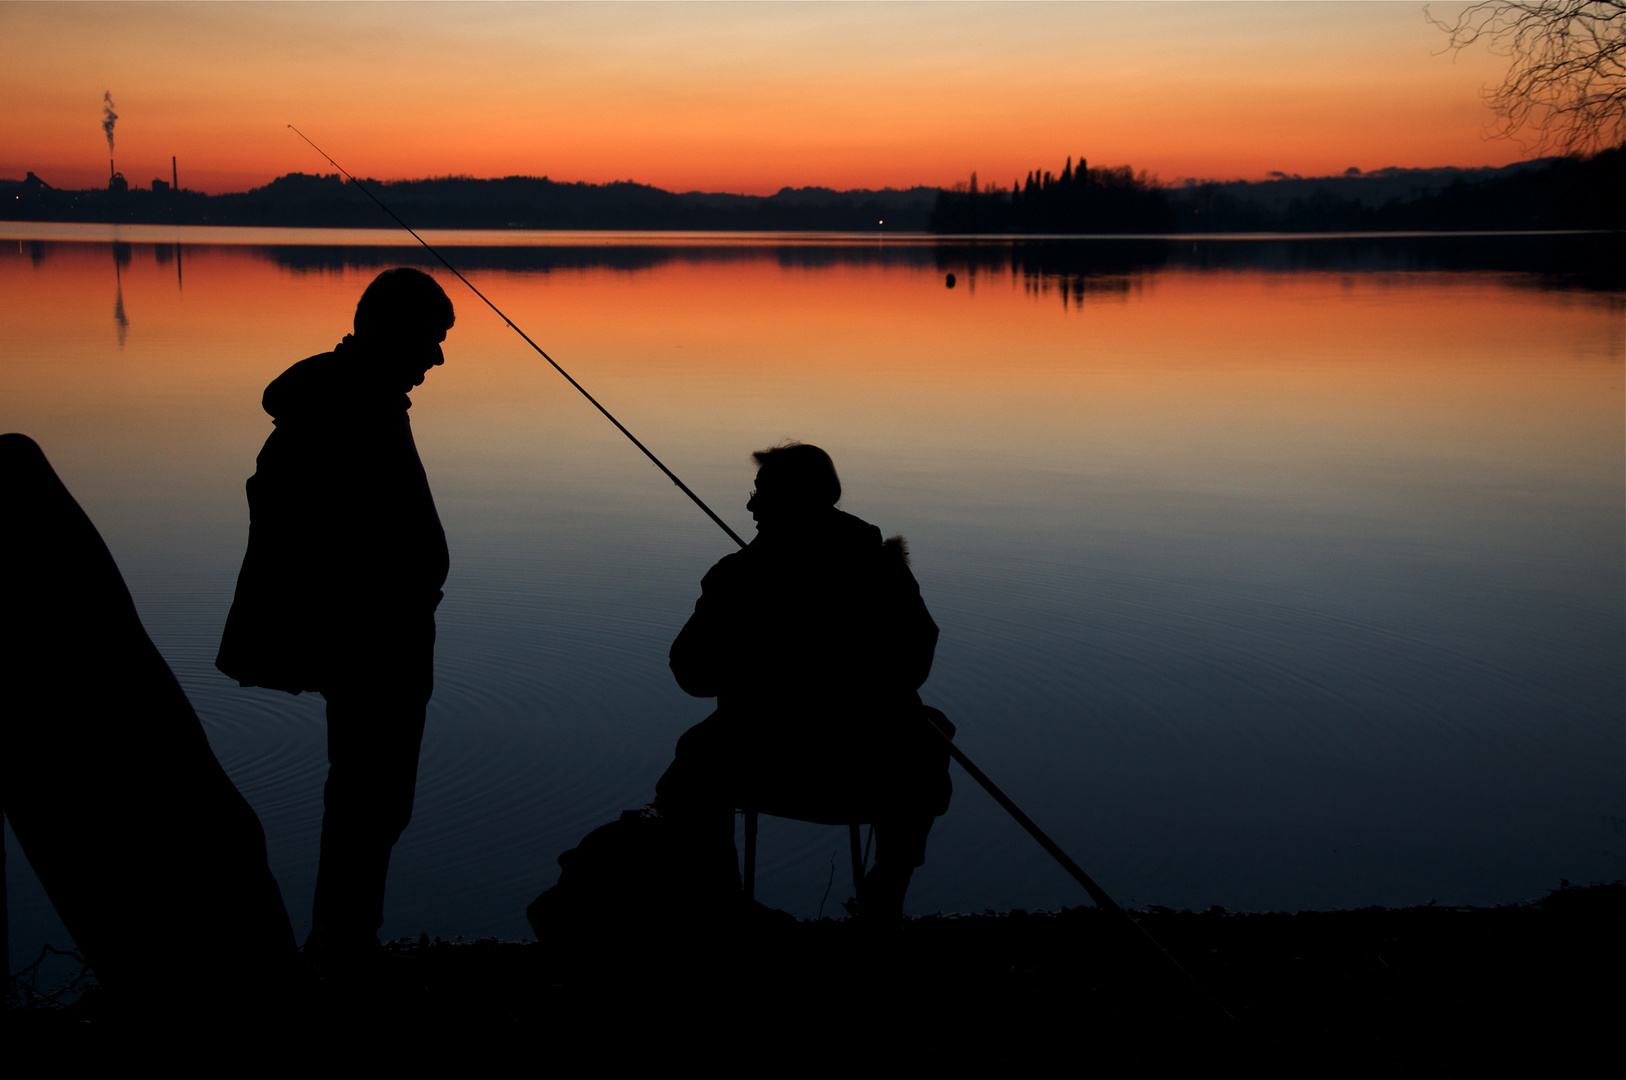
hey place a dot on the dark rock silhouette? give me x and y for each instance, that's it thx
(346, 558)
(814, 640)
(152, 858)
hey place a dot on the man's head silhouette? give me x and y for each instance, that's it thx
(793, 480)
(401, 320)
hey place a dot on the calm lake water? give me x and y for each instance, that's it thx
(1271, 573)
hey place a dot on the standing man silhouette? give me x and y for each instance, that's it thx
(346, 559)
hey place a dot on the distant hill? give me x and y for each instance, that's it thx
(460, 202)
(1376, 187)
(1552, 193)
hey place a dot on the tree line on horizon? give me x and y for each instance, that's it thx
(1559, 193)
(1082, 200)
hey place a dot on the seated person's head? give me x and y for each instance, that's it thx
(793, 480)
(402, 318)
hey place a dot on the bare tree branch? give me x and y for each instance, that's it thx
(1565, 87)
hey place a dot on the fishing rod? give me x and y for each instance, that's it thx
(659, 464)
(1098, 894)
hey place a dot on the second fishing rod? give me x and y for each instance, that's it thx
(1096, 893)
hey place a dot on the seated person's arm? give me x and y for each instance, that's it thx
(917, 640)
(697, 657)
(914, 634)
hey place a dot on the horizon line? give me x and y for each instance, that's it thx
(1274, 176)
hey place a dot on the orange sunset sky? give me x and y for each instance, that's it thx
(738, 97)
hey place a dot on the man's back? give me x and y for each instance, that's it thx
(816, 614)
(814, 640)
(346, 550)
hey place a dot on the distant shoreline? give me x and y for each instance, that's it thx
(1562, 194)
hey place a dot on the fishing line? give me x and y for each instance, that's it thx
(1098, 894)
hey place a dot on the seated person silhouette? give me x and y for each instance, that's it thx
(345, 562)
(814, 641)
(154, 861)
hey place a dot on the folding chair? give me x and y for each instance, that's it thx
(750, 870)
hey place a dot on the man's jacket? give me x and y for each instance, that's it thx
(817, 620)
(346, 553)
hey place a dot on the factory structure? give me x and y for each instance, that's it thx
(118, 185)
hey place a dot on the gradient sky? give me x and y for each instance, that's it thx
(737, 97)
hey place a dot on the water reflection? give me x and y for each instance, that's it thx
(1563, 261)
(163, 253)
(1271, 574)
(121, 259)
(1067, 270)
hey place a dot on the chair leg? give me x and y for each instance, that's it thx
(750, 855)
(858, 856)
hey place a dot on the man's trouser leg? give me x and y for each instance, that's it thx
(900, 847)
(697, 794)
(916, 777)
(373, 739)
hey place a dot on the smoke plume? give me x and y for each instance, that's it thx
(109, 118)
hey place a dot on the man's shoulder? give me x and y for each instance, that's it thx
(834, 535)
(726, 569)
(855, 530)
(300, 387)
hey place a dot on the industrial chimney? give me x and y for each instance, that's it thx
(174, 177)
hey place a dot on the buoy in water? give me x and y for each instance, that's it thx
(949, 281)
